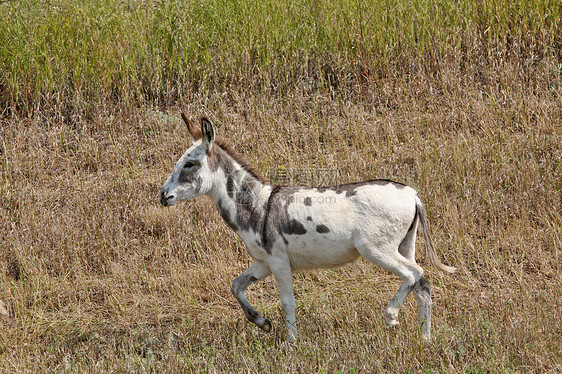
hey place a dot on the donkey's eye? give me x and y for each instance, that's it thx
(188, 165)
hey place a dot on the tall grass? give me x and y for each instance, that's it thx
(459, 99)
(72, 52)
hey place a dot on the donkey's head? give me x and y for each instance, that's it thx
(191, 176)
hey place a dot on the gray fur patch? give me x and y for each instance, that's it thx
(350, 189)
(238, 286)
(415, 218)
(230, 186)
(277, 221)
(221, 154)
(384, 182)
(226, 215)
(186, 175)
(249, 215)
(294, 228)
(242, 189)
(422, 286)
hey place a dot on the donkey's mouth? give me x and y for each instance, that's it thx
(166, 199)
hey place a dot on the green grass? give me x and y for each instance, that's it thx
(68, 53)
(461, 100)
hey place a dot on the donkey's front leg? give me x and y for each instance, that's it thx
(284, 280)
(254, 273)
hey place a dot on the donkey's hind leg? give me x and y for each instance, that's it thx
(422, 290)
(254, 273)
(410, 273)
(412, 279)
(407, 247)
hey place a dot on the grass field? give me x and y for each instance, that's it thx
(462, 100)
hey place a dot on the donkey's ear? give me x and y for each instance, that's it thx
(191, 127)
(208, 133)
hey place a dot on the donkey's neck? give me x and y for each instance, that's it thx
(239, 195)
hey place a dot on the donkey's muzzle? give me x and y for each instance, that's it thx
(165, 198)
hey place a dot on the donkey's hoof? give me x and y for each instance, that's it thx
(391, 315)
(266, 326)
(392, 323)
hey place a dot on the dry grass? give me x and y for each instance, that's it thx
(96, 276)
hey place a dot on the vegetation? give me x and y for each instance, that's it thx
(81, 53)
(459, 99)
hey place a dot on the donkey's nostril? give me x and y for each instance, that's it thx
(164, 197)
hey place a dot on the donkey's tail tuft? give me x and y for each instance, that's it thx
(429, 249)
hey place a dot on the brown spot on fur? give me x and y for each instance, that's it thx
(322, 229)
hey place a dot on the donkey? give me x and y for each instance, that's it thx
(287, 229)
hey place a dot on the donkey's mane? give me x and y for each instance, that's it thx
(239, 159)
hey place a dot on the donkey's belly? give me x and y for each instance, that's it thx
(317, 253)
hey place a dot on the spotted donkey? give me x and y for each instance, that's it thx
(288, 229)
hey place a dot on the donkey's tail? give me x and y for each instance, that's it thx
(429, 249)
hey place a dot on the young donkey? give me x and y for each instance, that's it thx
(292, 228)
